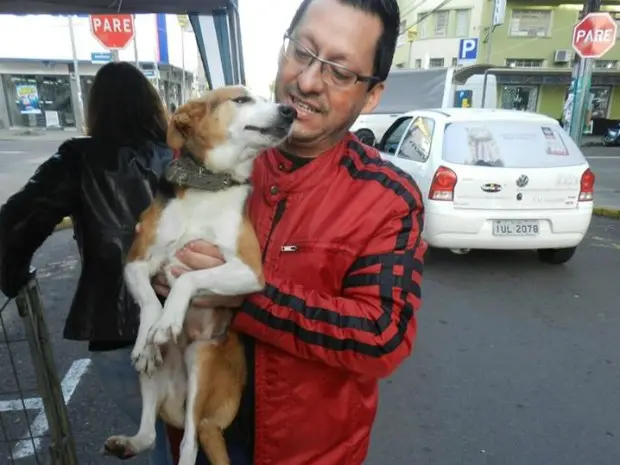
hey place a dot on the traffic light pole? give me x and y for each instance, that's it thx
(581, 81)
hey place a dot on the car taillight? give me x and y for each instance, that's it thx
(442, 187)
(586, 192)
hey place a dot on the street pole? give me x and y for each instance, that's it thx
(79, 111)
(135, 43)
(581, 80)
(183, 65)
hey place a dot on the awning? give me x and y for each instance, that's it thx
(215, 22)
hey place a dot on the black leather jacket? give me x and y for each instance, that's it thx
(103, 186)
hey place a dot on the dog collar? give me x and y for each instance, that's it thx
(187, 171)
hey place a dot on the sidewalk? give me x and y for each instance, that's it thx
(26, 134)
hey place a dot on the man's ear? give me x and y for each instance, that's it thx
(373, 97)
(178, 128)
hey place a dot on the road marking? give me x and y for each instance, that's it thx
(603, 157)
(605, 243)
(11, 152)
(27, 446)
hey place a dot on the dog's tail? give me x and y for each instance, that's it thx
(211, 439)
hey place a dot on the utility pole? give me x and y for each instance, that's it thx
(580, 85)
(79, 110)
(135, 42)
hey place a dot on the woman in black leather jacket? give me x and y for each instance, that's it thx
(103, 182)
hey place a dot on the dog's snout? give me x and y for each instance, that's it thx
(287, 112)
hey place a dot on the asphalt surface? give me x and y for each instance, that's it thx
(516, 362)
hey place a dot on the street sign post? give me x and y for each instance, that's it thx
(593, 36)
(113, 31)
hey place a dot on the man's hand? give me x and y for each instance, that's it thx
(197, 255)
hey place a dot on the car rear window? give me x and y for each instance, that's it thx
(509, 144)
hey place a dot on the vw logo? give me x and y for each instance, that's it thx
(522, 181)
(491, 187)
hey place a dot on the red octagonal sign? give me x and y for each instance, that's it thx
(114, 32)
(594, 35)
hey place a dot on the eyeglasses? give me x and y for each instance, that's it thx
(332, 73)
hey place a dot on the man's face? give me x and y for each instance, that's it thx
(342, 35)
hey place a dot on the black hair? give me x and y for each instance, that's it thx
(123, 105)
(389, 13)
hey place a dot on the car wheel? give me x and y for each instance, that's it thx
(556, 256)
(365, 136)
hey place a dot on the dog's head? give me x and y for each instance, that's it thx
(229, 126)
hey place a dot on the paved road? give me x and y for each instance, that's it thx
(516, 362)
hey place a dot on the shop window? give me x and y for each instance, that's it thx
(522, 98)
(38, 101)
(600, 101)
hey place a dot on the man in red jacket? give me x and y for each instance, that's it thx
(340, 232)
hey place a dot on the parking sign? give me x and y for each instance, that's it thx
(468, 50)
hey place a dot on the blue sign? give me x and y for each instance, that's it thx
(468, 49)
(100, 57)
(463, 98)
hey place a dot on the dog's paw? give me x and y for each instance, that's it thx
(164, 331)
(146, 359)
(119, 446)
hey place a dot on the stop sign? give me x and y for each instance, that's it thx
(114, 32)
(594, 35)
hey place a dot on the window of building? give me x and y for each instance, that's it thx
(606, 64)
(441, 23)
(455, 62)
(462, 23)
(530, 23)
(524, 62)
(423, 26)
(435, 63)
(418, 63)
(38, 101)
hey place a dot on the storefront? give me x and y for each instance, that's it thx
(41, 94)
(544, 91)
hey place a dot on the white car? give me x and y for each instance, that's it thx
(495, 179)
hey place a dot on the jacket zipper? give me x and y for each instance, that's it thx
(280, 207)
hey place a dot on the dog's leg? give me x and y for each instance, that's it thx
(146, 357)
(124, 447)
(189, 445)
(230, 279)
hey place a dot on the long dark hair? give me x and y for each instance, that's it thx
(123, 105)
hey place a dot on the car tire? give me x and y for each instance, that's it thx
(365, 136)
(556, 256)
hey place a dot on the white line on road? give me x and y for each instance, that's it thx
(11, 152)
(602, 157)
(26, 446)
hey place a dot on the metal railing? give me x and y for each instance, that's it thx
(34, 422)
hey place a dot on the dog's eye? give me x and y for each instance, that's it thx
(243, 99)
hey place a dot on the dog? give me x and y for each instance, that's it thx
(192, 368)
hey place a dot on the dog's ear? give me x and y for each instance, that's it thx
(178, 129)
(183, 122)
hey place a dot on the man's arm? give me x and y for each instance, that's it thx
(370, 329)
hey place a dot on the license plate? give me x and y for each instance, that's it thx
(515, 228)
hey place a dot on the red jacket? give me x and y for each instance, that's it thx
(343, 259)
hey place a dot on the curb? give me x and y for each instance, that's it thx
(607, 212)
(66, 223)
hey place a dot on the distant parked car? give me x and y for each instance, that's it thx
(495, 179)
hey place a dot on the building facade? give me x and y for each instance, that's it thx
(38, 85)
(532, 45)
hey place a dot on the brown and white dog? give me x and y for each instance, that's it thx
(192, 368)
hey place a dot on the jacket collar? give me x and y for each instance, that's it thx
(319, 170)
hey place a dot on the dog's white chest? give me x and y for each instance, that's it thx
(212, 216)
